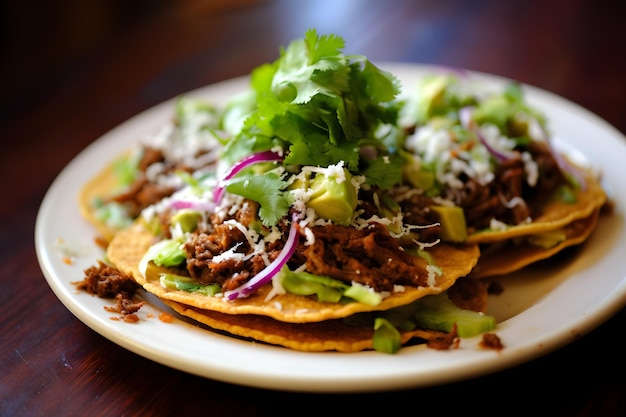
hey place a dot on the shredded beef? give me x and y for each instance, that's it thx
(482, 203)
(550, 174)
(415, 210)
(368, 256)
(232, 271)
(142, 192)
(469, 294)
(106, 281)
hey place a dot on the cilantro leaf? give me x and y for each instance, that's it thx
(320, 48)
(266, 190)
(320, 106)
(384, 171)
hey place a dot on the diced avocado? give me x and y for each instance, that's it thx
(496, 109)
(299, 184)
(387, 338)
(188, 219)
(453, 226)
(113, 214)
(363, 294)
(438, 312)
(309, 284)
(547, 240)
(418, 177)
(327, 288)
(332, 198)
(566, 194)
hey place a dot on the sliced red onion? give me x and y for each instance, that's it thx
(565, 165)
(272, 269)
(266, 156)
(500, 156)
(195, 205)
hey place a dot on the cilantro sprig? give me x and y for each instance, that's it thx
(322, 107)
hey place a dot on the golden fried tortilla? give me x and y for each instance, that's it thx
(513, 254)
(103, 187)
(330, 335)
(129, 246)
(99, 187)
(321, 336)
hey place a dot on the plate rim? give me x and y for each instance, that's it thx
(474, 362)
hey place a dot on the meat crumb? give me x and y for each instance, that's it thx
(124, 305)
(106, 281)
(445, 341)
(491, 341)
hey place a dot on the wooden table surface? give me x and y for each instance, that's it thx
(73, 70)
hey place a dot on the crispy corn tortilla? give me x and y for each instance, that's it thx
(128, 247)
(555, 214)
(328, 335)
(99, 187)
(514, 254)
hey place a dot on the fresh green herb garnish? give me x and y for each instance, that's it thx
(321, 107)
(267, 190)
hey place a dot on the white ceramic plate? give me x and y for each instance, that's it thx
(540, 310)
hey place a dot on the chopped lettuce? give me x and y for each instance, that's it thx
(167, 252)
(327, 288)
(113, 214)
(179, 282)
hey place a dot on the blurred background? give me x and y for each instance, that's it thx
(148, 48)
(72, 69)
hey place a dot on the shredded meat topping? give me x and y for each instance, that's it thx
(234, 270)
(509, 198)
(368, 256)
(143, 192)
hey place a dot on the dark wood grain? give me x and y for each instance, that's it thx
(73, 70)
